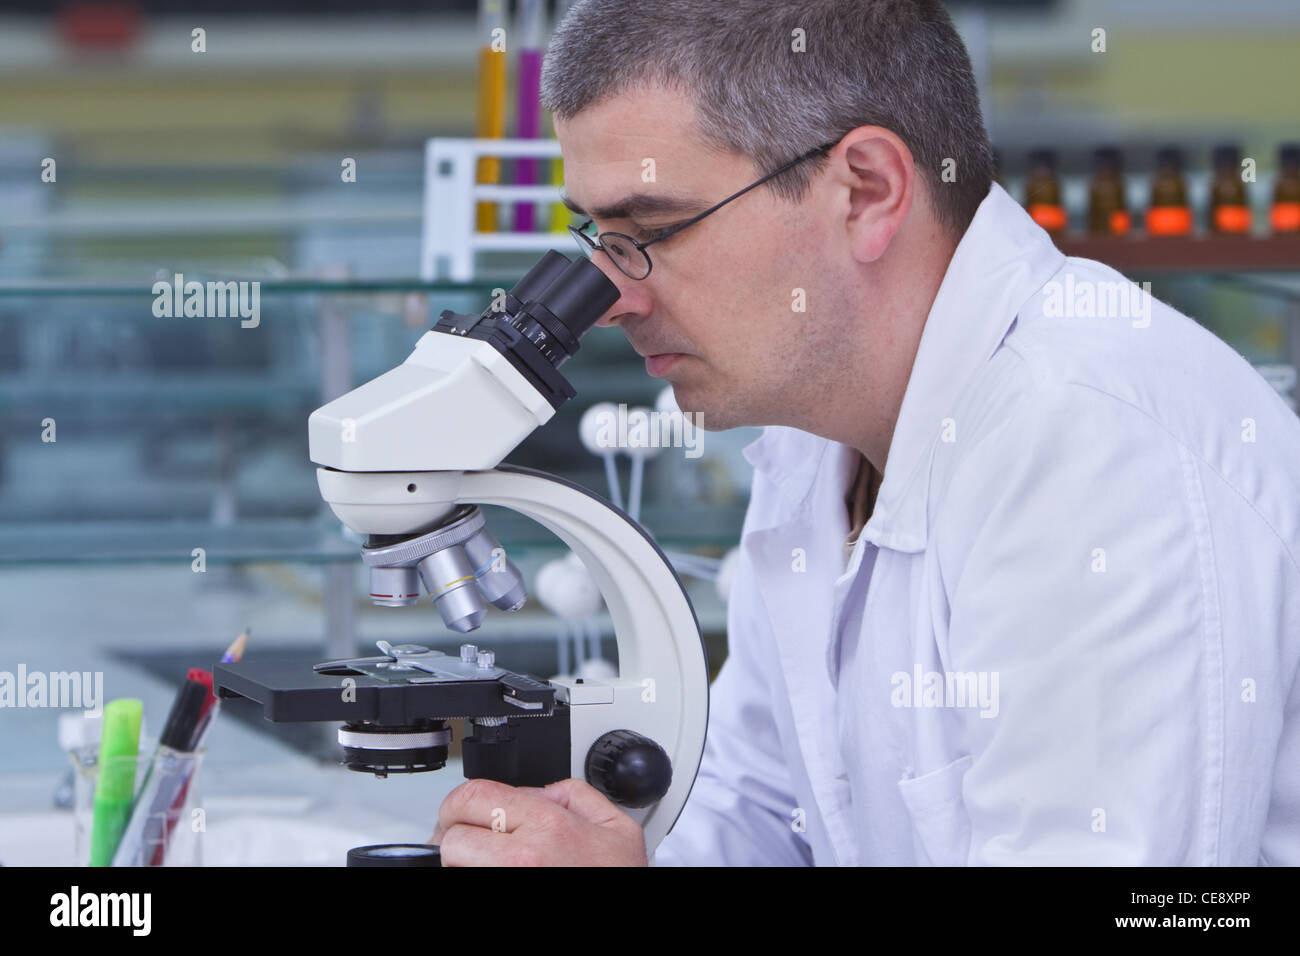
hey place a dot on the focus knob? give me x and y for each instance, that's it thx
(630, 769)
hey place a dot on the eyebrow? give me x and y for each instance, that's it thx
(633, 207)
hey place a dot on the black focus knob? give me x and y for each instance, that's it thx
(631, 769)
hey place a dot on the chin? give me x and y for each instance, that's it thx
(687, 398)
(710, 416)
(700, 401)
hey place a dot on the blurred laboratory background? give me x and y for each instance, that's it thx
(294, 150)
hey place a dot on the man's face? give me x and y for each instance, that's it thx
(724, 292)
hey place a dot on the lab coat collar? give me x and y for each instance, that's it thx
(1001, 262)
(789, 457)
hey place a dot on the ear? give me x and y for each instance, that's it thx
(876, 175)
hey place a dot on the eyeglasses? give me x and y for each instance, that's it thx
(630, 254)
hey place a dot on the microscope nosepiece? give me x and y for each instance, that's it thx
(461, 564)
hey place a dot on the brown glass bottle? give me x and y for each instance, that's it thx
(1284, 217)
(1107, 209)
(1169, 214)
(1229, 212)
(1043, 192)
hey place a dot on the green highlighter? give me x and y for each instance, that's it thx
(115, 787)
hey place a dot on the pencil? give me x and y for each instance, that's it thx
(236, 650)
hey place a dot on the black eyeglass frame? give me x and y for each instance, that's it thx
(597, 242)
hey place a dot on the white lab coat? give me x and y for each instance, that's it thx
(1101, 515)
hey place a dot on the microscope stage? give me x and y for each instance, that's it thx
(294, 691)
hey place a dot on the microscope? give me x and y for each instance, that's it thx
(407, 460)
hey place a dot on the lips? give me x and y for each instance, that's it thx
(657, 365)
(657, 361)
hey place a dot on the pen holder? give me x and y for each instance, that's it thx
(163, 823)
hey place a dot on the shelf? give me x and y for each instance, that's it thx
(1203, 254)
(275, 286)
(113, 542)
(307, 541)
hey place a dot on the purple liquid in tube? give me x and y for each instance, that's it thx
(529, 127)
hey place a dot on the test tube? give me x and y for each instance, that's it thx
(528, 107)
(559, 212)
(491, 122)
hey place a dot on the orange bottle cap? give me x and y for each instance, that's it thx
(1051, 217)
(1234, 219)
(1169, 221)
(1285, 217)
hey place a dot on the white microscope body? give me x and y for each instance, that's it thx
(404, 454)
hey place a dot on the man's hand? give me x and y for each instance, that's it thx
(569, 823)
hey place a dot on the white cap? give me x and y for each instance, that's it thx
(603, 416)
(641, 451)
(78, 730)
(566, 589)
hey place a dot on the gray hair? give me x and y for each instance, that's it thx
(893, 63)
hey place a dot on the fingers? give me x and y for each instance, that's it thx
(486, 823)
(586, 801)
(464, 845)
(490, 805)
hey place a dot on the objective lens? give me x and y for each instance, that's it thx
(498, 578)
(394, 587)
(449, 579)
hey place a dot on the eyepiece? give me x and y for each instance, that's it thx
(553, 322)
(538, 325)
(579, 296)
(537, 280)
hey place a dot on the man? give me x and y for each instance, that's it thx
(1065, 628)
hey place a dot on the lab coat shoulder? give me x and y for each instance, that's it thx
(1239, 440)
(1144, 353)
(1085, 528)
